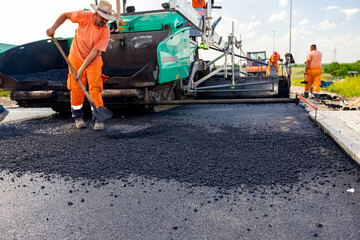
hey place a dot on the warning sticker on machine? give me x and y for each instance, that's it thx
(169, 59)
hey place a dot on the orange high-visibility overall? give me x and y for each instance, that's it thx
(313, 76)
(87, 37)
(273, 60)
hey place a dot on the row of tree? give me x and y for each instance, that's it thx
(342, 69)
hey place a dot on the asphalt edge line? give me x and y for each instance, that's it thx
(325, 127)
(23, 120)
(14, 110)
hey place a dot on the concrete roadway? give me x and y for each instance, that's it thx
(192, 172)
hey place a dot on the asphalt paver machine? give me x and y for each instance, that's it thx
(152, 56)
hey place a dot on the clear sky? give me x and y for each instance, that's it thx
(331, 24)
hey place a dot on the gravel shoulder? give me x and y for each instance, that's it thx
(330, 101)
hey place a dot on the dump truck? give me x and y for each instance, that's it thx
(152, 56)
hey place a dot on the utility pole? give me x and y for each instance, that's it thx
(274, 42)
(118, 12)
(334, 55)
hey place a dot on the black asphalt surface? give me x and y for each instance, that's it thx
(192, 172)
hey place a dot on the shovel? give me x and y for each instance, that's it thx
(100, 113)
(304, 82)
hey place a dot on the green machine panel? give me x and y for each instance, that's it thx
(174, 56)
(152, 22)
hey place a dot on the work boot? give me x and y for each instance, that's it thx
(79, 122)
(76, 114)
(306, 95)
(98, 126)
(3, 113)
(317, 96)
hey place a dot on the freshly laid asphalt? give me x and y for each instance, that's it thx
(192, 172)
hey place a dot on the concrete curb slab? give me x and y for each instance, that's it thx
(343, 127)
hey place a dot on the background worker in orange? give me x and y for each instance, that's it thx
(273, 60)
(91, 38)
(313, 72)
(198, 3)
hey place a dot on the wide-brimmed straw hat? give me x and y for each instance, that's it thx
(105, 10)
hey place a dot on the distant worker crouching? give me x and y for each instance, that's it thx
(313, 72)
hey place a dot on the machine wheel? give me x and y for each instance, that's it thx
(284, 88)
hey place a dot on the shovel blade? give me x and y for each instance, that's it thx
(102, 114)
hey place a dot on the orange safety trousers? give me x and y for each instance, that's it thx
(313, 77)
(93, 74)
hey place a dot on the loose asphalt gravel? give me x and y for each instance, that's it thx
(50, 75)
(192, 172)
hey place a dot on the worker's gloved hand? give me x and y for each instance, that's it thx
(104, 77)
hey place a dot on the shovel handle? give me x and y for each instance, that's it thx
(74, 72)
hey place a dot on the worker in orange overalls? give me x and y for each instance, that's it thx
(91, 38)
(273, 60)
(313, 72)
(198, 3)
